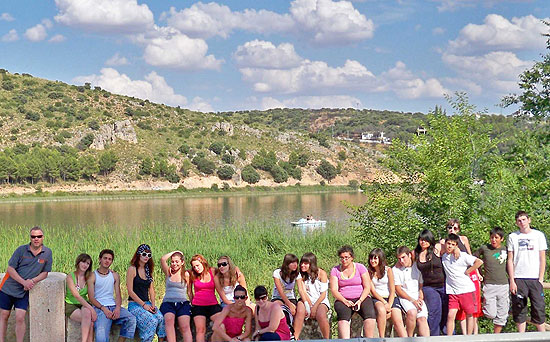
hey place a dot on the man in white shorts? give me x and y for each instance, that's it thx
(408, 286)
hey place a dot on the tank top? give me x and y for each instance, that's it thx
(233, 325)
(204, 292)
(432, 271)
(176, 291)
(141, 288)
(83, 292)
(461, 246)
(282, 330)
(381, 285)
(104, 288)
(314, 290)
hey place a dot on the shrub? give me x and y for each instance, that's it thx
(326, 170)
(299, 159)
(225, 172)
(225, 186)
(144, 125)
(228, 158)
(216, 147)
(205, 166)
(184, 149)
(33, 116)
(354, 184)
(250, 175)
(279, 174)
(85, 142)
(146, 166)
(264, 160)
(342, 155)
(93, 125)
(107, 161)
(214, 187)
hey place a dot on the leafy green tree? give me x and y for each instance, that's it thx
(107, 162)
(206, 166)
(326, 170)
(69, 169)
(279, 174)
(89, 166)
(299, 159)
(228, 158)
(8, 168)
(146, 166)
(225, 172)
(184, 149)
(250, 175)
(264, 160)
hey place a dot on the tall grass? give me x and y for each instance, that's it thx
(257, 247)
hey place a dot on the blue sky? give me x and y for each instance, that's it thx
(236, 55)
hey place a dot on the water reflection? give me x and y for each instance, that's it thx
(215, 211)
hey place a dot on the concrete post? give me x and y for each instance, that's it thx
(47, 309)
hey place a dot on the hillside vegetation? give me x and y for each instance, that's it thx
(53, 134)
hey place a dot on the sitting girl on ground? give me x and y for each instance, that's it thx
(77, 307)
(229, 323)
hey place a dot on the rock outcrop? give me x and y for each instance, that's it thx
(108, 134)
(224, 127)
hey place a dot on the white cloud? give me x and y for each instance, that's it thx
(406, 85)
(180, 52)
(454, 5)
(200, 105)
(262, 54)
(116, 60)
(58, 38)
(312, 102)
(36, 33)
(495, 70)
(437, 31)
(153, 88)
(323, 22)
(6, 17)
(106, 16)
(11, 36)
(499, 33)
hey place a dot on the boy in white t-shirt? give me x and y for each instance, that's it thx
(526, 263)
(408, 286)
(458, 285)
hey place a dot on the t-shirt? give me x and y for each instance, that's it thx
(526, 248)
(494, 263)
(353, 287)
(27, 266)
(456, 281)
(409, 278)
(288, 286)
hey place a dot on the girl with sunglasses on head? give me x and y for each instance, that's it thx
(227, 277)
(271, 322)
(77, 307)
(175, 305)
(228, 325)
(202, 292)
(141, 295)
(313, 289)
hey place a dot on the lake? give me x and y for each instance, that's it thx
(212, 211)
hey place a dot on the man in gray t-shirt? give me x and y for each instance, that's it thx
(28, 265)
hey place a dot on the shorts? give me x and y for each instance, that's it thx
(366, 311)
(7, 302)
(292, 300)
(460, 315)
(496, 302)
(205, 310)
(532, 289)
(407, 305)
(177, 308)
(70, 308)
(463, 301)
(395, 304)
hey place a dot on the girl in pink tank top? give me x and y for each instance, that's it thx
(230, 322)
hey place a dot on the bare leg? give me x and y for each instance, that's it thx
(184, 323)
(343, 329)
(521, 326)
(299, 319)
(451, 321)
(368, 327)
(469, 325)
(410, 322)
(397, 320)
(84, 316)
(20, 325)
(498, 329)
(463, 326)
(322, 318)
(4, 315)
(380, 318)
(200, 328)
(218, 337)
(476, 326)
(423, 327)
(169, 326)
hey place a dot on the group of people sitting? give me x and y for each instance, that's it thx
(428, 289)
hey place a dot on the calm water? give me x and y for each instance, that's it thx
(214, 211)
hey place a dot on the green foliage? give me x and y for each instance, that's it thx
(204, 165)
(184, 149)
(299, 159)
(146, 166)
(354, 184)
(242, 154)
(264, 160)
(228, 158)
(214, 187)
(89, 166)
(107, 162)
(279, 174)
(250, 175)
(225, 172)
(292, 170)
(33, 116)
(217, 147)
(342, 155)
(326, 170)
(85, 142)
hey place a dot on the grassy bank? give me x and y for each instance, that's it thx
(257, 247)
(180, 192)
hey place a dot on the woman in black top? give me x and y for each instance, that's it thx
(141, 295)
(428, 260)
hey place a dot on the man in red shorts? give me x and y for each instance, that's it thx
(458, 285)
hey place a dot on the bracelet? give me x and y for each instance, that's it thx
(143, 306)
(101, 307)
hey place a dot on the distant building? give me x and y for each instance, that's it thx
(420, 130)
(375, 138)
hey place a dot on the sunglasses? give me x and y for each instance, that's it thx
(222, 264)
(145, 254)
(241, 297)
(264, 297)
(37, 236)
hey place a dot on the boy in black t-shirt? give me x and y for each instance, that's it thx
(496, 296)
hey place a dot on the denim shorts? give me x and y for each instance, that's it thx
(177, 308)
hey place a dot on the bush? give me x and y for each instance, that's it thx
(342, 155)
(354, 184)
(93, 125)
(146, 166)
(299, 159)
(85, 142)
(225, 186)
(228, 158)
(250, 175)
(279, 174)
(33, 116)
(184, 149)
(216, 147)
(264, 160)
(326, 170)
(214, 187)
(205, 166)
(107, 161)
(225, 172)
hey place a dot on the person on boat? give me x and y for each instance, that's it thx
(141, 295)
(350, 286)
(228, 325)
(202, 292)
(227, 278)
(271, 322)
(77, 307)
(383, 294)
(175, 305)
(314, 304)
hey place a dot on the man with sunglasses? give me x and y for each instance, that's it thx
(28, 265)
